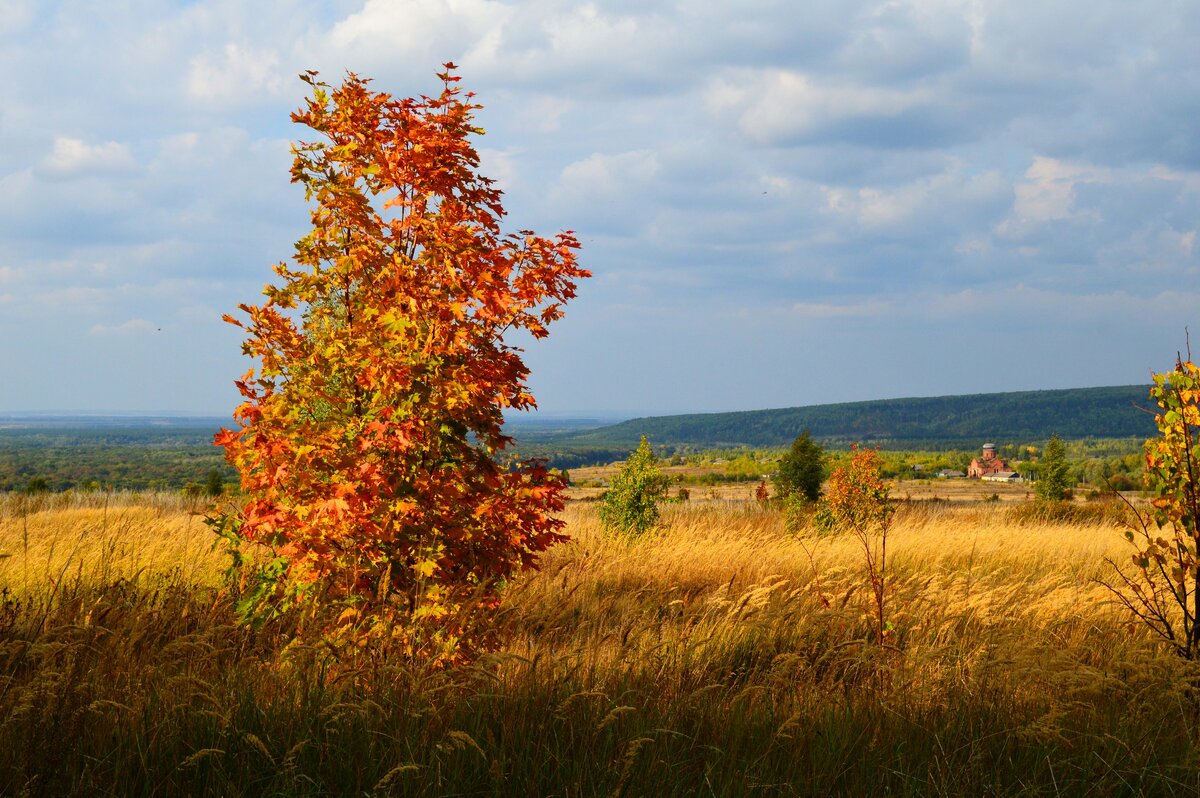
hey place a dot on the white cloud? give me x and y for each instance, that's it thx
(71, 157)
(828, 310)
(946, 194)
(1190, 181)
(903, 40)
(131, 327)
(1187, 242)
(1048, 191)
(587, 32)
(607, 176)
(871, 206)
(545, 113)
(240, 74)
(938, 304)
(500, 166)
(770, 106)
(1051, 303)
(15, 16)
(180, 143)
(422, 33)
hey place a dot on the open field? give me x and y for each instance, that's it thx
(719, 656)
(595, 478)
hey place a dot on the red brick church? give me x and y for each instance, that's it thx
(987, 463)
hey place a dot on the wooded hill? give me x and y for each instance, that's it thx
(941, 421)
(168, 453)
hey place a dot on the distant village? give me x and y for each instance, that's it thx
(988, 466)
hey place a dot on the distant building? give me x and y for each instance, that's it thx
(987, 464)
(950, 473)
(1003, 476)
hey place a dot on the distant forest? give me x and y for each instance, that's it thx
(125, 458)
(942, 422)
(73, 453)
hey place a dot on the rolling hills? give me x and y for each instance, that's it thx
(146, 453)
(931, 422)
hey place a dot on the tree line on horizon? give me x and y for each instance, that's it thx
(935, 422)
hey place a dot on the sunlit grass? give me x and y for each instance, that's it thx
(102, 537)
(718, 655)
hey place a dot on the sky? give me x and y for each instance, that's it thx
(782, 203)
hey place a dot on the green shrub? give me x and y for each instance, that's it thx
(1054, 476)
(631, 504)
(214, 483)
(801, 469)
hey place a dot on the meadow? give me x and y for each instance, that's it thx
(719, 655)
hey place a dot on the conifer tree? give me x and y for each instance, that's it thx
(1052, 484)
(802, 469)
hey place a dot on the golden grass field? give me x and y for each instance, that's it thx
(955, 490)
(717, 656)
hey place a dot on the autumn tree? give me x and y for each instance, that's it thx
(761, 494)
(630, 505)
(370, 438)
(857, 499)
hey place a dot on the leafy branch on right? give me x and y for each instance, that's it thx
(1158, 584)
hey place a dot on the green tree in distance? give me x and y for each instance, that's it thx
(1052, 484)
(801, 469)
(214, 483)
(631, 504)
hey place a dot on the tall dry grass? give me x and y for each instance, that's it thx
(718, 656)
(101, 537)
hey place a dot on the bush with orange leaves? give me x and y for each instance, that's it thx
(369, 439)
(857, 498)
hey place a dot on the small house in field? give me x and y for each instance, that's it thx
(950, 473)
(987, 464)
(1003, 476)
